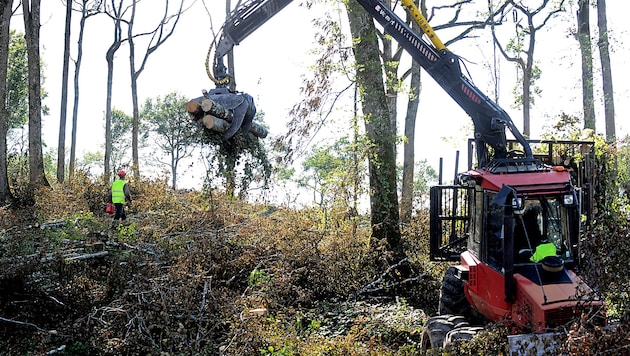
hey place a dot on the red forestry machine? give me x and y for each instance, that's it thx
(495, 216)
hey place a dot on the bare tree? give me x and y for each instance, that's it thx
(584, 38)
(115, 12)
(604, 55)
(520, 49)
(159, 35)
(409, 151)
(61, 149)
(413, 103)
(31, 9)
(5, 21)
(87, 8)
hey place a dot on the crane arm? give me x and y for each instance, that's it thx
(241, 22)
(489, 119)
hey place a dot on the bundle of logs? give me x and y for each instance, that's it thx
(216, 117)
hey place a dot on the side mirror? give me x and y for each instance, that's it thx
(518, 206)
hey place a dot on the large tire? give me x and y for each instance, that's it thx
(459, 335)
(436, 328)
(452, 298)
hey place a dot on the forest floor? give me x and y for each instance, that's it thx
(197, 274)
(192, 273)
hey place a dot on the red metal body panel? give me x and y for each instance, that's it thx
(485, 292)
(487, 295)
(531, 310)
(493, 181)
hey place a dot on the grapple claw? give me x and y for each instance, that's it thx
(242, 107)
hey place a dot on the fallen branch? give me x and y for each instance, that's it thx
(380, 284)
(22, 323)
(87, 256)
(54, 351)
(138, 248)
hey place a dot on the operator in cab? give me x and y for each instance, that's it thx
(545, 249)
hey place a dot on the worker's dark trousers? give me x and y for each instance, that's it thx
(120, 212)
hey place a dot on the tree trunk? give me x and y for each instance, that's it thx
(158, 36)
(604, 54)
(109, 56)
(523, 56)
(216, 117)
(61, 146)
(528, 78)
(77, 70)
(406, 199)
(584, 39)
(409, 151)
(31, 9)
(526, 101)
(381, 134)
(391, 61)
(5, 21)
(134, 93)
(174, 160)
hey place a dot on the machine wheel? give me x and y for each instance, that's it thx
(460, 335)
(436, 328)
(452, 298)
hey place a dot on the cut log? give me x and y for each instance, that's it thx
(217, 118)
(258, 130)
(215, 109)
(194, 108)
(219, 125)
(215, 123)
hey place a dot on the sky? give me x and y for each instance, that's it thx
(271, 62)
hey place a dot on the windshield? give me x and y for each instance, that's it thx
(543, 219)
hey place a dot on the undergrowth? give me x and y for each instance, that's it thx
(198, 273)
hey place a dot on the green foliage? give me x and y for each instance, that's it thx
(492, 341)
(91, 163)
(240, 161)
(17, 112)
(170, 128)
(273, 351)
(257, 276)
(121, 139)
(126, 233)
(605, 247)
(284, 172)
(425, 176)
(17, 84)
(334, 173)
(567, 127)
(17, 81)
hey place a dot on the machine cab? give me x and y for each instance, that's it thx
(552, 203)
(543, 208)
(542, 222)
